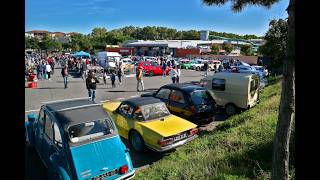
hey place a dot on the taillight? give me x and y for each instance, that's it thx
(194, 131)
(193, 109)
(124, 169)
(164, 142)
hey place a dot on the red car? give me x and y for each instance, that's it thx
(152, 68)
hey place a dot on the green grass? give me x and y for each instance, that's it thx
(240, 148)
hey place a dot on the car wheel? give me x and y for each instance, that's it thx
(151, 73)
(198, 68)
(136, 141)
(230, 109)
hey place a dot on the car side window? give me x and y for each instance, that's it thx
(177, 96)
(57, 135)
(48, 127)
(126, 110)
(163, 93)
(41, 117)
(218, 84)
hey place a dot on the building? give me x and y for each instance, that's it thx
(169, 47)
(39, 34)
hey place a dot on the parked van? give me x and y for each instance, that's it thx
(233, 91)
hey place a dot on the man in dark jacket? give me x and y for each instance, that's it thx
(91, 83)
(205, 68)
(65, 74)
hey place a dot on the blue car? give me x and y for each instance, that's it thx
(77, 139)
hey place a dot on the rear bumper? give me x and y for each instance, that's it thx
(127, 176)
(174, 145)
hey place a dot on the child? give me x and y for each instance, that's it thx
(113, 79)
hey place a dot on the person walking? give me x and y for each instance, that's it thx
(139, 78)
(52, 66)
(91, 83)
(164, 68)
(83, 70)
(39, 71)
(119, 74)
(205, 67)
(178, 73)
(105, 77)
(48, 71)
(65, 74)
(173, 74)
(113, 79)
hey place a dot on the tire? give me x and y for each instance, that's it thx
(230, 110)
(136, 141)
(197, 68)
(151, 73)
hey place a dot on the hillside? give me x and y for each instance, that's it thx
(240, 148)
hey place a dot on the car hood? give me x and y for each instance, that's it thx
(171, 125)
(99, 157)
(111, 106)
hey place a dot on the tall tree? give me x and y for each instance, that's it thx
(246, 50)
(215, 49)
(228, 47)
(280, 158)
(276, 45)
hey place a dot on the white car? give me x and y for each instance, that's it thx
(262, 69)
(199, 65)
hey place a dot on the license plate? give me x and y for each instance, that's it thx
(181, 136)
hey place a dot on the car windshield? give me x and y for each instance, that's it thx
(200, 97)
(154, 111)
(90, 130)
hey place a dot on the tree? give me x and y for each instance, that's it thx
(215, 49)
(246, 50)
(32, 43)
(228, 47)
(276, 45)
(280, 158)
(191, 35)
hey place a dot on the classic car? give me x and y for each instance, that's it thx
(188, 101)
(146, 122)
(198, 66)
(77, 139)
(188, 65)
(152, 68)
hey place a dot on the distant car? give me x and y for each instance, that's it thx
(152, 68)
(198, 66)
(187, 101)
(77, 139)
(189, 64)
(146, 122)
(262, 69)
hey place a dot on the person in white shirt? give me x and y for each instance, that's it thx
(173, 74)
(48, 70)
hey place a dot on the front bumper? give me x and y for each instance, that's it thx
(174, 145)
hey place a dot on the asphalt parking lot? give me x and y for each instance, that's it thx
(54, 90)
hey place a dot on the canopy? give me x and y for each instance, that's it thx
(81, 53)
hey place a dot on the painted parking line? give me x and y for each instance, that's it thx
(120, 98)
(104, 101)
(134, 96)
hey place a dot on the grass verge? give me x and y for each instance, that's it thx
(240, 148)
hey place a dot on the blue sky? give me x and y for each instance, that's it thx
(83, 15)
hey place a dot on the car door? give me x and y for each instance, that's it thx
(39, 130)
(163, 95)
(47, 141)
(178, 104)
(124, 119)
(59, 147)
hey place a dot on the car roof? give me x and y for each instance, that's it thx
(141, 101)
(186, 87)
(74, 112)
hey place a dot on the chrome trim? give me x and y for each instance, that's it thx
(174, 145)
(127, 175)
(77, 107)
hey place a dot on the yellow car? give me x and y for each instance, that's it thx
(146, 122)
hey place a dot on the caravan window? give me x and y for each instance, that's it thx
(218, 84)
(254, 84)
